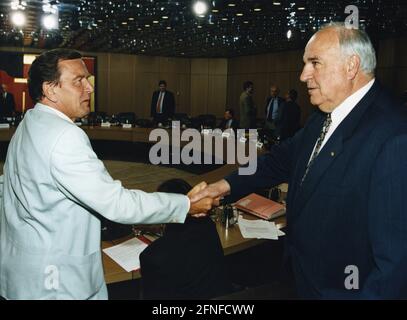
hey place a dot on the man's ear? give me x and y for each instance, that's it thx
(353, 66)
(49, 91)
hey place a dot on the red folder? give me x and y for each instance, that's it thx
(260, 206)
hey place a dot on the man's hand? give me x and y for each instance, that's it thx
(201, 207)
(214, 191)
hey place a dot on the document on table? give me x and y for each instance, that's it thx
(127, 254)
(259, 229)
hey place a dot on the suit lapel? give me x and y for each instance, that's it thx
(332, 149)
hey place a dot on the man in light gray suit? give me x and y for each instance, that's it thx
(53, 184)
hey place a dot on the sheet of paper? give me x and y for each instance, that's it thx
(259, 229)
(127, 254)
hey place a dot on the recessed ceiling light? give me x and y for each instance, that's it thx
(18, 18)
(276, 3)
(165, 17)
(168, 28)
(257, 9)
(239, 14)
(124, 22)
(289, 34)
(301, 8)
(246, 21)
(147, 25)
(199, 27)
(232, 5)
(224, 19)
(200, 7)
(215, 10)
(155, 21)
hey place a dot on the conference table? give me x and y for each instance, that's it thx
(231, 238)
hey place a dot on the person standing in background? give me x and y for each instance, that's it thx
(7, 103)
(247, 108)
(162, 103)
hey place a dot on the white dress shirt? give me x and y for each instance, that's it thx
(341, 111)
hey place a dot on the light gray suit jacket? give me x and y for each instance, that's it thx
(53, 183)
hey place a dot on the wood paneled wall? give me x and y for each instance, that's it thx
(126, 83)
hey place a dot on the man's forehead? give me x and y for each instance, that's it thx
(75, 66)
(321, 43)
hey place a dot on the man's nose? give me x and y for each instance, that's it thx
(305, 74)
(89, 88)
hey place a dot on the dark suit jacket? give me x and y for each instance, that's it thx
(351, 210)
(186, 263)
(290, 120)
(234, 125)
(281, 103)
(168, 105)
(7, 106)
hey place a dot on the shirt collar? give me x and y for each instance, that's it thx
(341, 111)
(46, 108)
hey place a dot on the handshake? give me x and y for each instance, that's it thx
(204, 197)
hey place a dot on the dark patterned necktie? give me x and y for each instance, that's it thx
(325, 128)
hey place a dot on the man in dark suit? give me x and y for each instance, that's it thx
(273, 112)
(347, 175)
(162, 103)
(228, 121)
(7, 103)
(290, 116)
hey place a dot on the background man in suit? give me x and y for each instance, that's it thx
(273, 112)
(290, 116)
(247, 108)
(53, 187)
(347, 175)
(7, 103)
(162, 103)
(228, 121)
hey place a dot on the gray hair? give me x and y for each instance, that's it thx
(355, 41)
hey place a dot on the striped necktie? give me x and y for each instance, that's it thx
(160, 97)
(325, 128)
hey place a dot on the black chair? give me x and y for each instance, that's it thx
(207, 120)
(126, 117)
(96, 118)
(144, 123)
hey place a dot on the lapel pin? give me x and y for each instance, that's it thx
(332, 154)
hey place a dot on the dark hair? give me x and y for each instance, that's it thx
(232, 113)
(247, 84)
(162, 82)
(175, 186)
(45, 69)
(293, 94)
